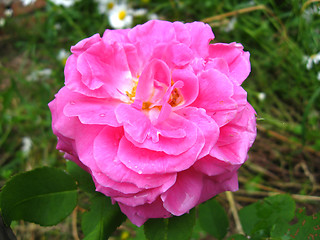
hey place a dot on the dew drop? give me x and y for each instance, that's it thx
(72, 103)
(102, 115)
(135, 166)
(140, 172)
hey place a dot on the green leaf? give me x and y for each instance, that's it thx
(174, 228)
(308, 227)
(156, 229)
(258, 218)
(44, 196)
(213, 218)
(102, 219)
(82, 177)
(180, 228)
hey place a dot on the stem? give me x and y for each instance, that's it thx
(234, 212)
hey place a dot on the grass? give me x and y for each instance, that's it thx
(278, 34)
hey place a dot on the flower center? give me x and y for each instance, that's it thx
(110, 5)
(122, 14)
(175, 98)
(132, 94)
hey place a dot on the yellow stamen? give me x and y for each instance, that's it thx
(110, 5)
(175, 98)
(122, 14)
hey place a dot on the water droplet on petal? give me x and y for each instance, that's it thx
(102, 115)
(72, 103)
(140, 172)
(135, 166)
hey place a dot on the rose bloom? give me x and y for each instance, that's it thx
(156, 115)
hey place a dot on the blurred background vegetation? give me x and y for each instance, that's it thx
(283, 38)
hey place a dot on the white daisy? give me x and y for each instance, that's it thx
(120, 16)
(63, 56)
(39, 75)
(26, 145)
(261, 96)
(65, 3)
(8, 12)
(310, 60)
(104, 6)
(2, 22)
(153, 16)
(27, 2)
(230, 25)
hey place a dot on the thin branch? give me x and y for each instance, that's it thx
(307, 3)
(296, 197)
(234, 212)
(74, 224)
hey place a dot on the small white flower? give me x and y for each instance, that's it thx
(261, 96)
(310, 60)
(104, 6)
(57, 26)
(65, 3)
(63, 56)
(26, 145)
(27, 2)
(230, 26)
(8, 12)
(318, 76)
(309, 12)
(2, 22)
(140, 12)
(120, 16)
(39, 75)
(153, 16)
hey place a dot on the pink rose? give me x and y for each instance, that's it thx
(156, 115)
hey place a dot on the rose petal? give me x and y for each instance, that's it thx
(105, 154)
(212, 186)
(138, 215)
(184, 194)
(206, 124)
(201, 34)
(93, 110)
(236, 137)
(150, 162)
(215, 95)
(135, 123)
(237, 59)
(174, 136)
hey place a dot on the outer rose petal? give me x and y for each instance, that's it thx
(215, 185)
(84, 145)
(201, 35)
(212, 166)
(93, 111)
(237, 59)
(63, 125)
(236, 137)
(138, 215)
(84, 44)
(184, 194)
